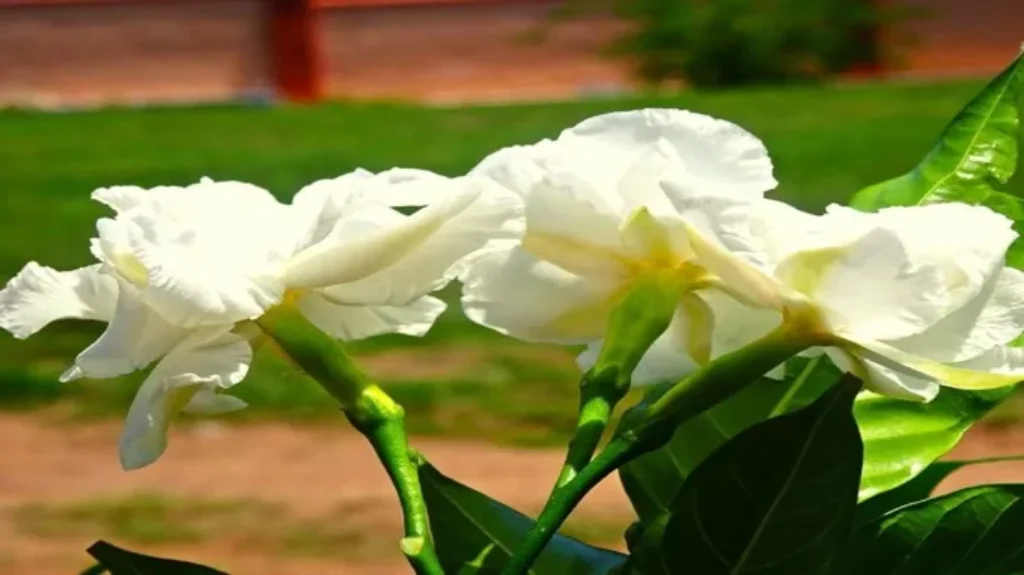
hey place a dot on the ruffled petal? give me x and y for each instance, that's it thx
(719, 156)
(204, 254)
(134, 338)
(571, 225)
(993, 318)
(188, 377)
(39, 295)
(352, 322)
(518, 169)
(869, 288)
(965, 260)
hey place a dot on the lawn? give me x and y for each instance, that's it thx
(827, 142)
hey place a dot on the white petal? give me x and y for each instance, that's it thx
(518, 169)
(959, 376)
(869, 288)
(351, 253)
(734, 275)
(407, 187)
(719, 156)
(202, 363)
(39, 295)
(207, 401)
(759, 231)
(135, 337)
(738, 239)
(517, 294)
(204, 254)
(965, 260)
(993, 318)
(120, 198)
(1002, 359)
(640, 186)
(440, 258)
(351, 322)
(736, 324)
(884, 380)
(324, 202)
(663, 240)
(572, 225)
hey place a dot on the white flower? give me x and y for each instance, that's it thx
(180, 267)
(912, 297)
(195, 364)
(597, 221)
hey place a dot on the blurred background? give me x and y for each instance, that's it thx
(283, 92)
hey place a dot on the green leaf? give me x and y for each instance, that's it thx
(121, 562)
(653, 481)
(976, 531)
(95, 570)
(778, 498)
(476, 534)
(902, 438)
(976, 153)
(919, 488)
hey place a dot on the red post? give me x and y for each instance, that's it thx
(296, 60)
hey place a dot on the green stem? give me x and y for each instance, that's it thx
(371, 411)
(640, 318)
(564, 500)
(707, 387)
(594, 414)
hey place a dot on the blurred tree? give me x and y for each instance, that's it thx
(741, 42)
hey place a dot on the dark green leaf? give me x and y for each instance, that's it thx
(778, 498)
(976, 153)
(95, 570)
(121, 562)
(917, 489)
(652, 481)
(902, 438)
(476, 534)
(976, 531)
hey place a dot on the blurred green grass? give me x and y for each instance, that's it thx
(826, 142)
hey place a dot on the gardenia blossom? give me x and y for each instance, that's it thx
(910, 298)
(598, 221)
(180, 267)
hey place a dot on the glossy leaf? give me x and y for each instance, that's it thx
(476, 534)
(976, 153)
(653, 481)
(976, 531)
(778, 498)
(902, 438)
(919, 488)
(119, 561)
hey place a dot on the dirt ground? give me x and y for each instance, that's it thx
(303, 469)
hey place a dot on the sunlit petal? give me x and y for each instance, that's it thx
(39, 295)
